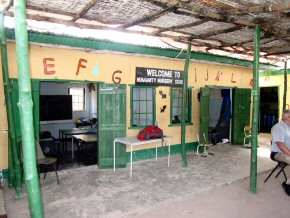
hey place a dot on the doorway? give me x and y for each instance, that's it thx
(269, 107)
(68, 110)
(210, 106)
(216, 110)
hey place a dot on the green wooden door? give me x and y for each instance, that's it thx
(111, 124)
(241, 113)
(15, 109)
(204, 111)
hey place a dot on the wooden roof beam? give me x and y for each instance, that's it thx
(260, 9)
(218, 32)
(196, 23)
(278, 53)
(85, 10)
(92, 26)
(149, 18)
(35, 8)
(225, 18)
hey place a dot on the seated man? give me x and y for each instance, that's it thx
(280, 149)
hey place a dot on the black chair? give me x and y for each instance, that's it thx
(280, 165)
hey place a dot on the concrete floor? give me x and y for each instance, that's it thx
(91, 192)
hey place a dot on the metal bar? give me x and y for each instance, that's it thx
(14, 158)
(285, 85)
(26, 111)
(255, 115)
(183, 130)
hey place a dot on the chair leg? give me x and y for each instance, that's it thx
(281, 170)
(271, 173)
(197, 149)
(56, 173)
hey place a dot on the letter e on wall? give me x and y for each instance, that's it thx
(47, 65)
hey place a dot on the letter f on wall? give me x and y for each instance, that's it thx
(80, 65)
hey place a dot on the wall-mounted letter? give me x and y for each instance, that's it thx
(47, 65)
(218, 75)
(206, 78)
(252, 83)
(116, 80)
(80, 65)
(232, 80)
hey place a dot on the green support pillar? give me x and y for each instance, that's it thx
(183, 130)
(15, 168)
(285, 85)
(255, 114)
(26, 111)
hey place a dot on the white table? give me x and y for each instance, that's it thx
(134, 141)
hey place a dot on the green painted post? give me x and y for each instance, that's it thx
(14, 158)
(285, 85)
(11, 170)
(255, 115)
(26, 111)
(183, 130)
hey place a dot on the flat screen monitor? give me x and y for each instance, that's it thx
(55, 107)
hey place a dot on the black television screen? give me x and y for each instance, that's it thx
(55, 107)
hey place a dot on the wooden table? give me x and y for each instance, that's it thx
(82, 138)
(63, 133)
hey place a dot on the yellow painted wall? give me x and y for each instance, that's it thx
(3, 127)
(66, 62)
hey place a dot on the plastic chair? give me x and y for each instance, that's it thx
(205, 144)
(248, 135)
(45, 161)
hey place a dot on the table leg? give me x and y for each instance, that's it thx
(114, 155)
(131, 163)
(62, 141)
(156, 153)
(168, 152)
(72, 148)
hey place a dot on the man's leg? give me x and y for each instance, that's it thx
(286, 159)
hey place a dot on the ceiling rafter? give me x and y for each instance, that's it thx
(150, 17)
(196, 23)
(224, 18)
(91, 26)
(85, 10)
(218, 32)
(270, 7)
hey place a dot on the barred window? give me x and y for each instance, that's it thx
(78, 98)
(176, 105)
(142, 105)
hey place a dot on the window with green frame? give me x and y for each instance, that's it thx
(142, 106)
(176, 105)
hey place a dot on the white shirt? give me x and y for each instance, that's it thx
(280, 133)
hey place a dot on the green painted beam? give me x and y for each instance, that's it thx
(26, 112)
(15, 169)
(184, 88)
(274, 73)
(119, 47)
(255, 115)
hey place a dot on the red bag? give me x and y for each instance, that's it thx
(150, 132)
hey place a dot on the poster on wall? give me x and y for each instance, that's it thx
(158, 77)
